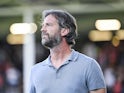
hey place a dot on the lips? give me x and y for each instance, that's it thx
(44, 35)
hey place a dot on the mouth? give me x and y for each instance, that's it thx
(44, 36)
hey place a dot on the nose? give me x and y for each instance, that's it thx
(43, 28)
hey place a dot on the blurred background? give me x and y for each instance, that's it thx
(18, 52)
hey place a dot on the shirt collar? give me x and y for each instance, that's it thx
(72, 58)
(48, 61)
(74, 55)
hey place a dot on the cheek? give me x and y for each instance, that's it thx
(53, 30)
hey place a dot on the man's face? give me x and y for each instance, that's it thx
(51, 34)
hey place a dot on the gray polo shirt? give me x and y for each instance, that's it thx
(78, 74)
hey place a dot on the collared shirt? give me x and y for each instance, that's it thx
(78, 74)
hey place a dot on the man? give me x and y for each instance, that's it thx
(65, 70)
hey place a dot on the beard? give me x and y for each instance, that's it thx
(51, 41)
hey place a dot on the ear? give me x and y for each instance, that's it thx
(64, 31)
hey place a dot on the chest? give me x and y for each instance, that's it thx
(65, 78)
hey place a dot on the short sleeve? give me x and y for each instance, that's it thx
(95, 78)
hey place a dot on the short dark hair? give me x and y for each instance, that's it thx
(65, 20)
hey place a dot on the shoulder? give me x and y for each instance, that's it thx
(85, 58)
(39, 66)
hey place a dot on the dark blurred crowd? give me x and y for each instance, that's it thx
(10, 76)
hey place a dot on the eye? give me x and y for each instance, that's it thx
(48, 24)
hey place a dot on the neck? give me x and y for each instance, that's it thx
(59, 54)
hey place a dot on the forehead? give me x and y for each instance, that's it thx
(50, 18)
